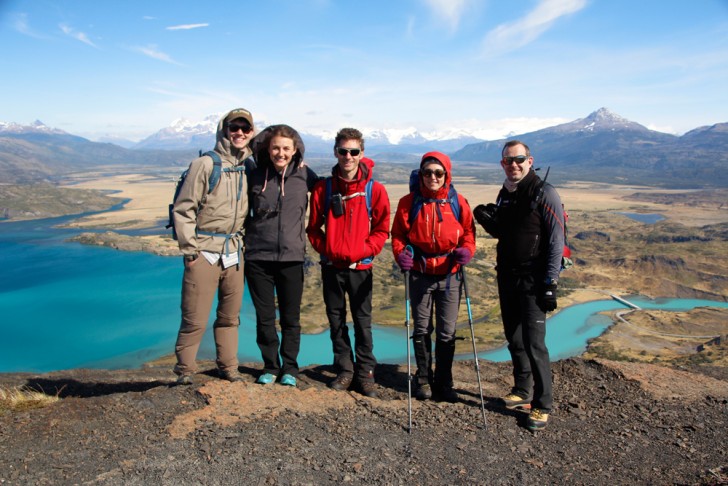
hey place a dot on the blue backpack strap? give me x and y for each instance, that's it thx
(368, 191)
(216, 169)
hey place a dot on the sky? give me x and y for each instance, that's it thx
(129, 68)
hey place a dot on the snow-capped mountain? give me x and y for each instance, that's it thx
(186, 134)
(35, 127)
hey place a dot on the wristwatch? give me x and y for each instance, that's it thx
(190, 258)
(550, 281)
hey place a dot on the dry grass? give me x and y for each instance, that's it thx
(21, 398)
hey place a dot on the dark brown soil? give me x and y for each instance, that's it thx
(613, 423)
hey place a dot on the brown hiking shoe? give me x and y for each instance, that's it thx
(231, 375)
(341, 382)
(184, 380)
(369, 389)
(424, 392)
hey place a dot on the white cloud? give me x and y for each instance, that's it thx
(513, 35)
(449, 10)
(79, 36)
(154, 53)
(187, 26)
(21, 25)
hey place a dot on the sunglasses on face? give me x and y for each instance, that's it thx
(343, 151)
(244, 128)
(436, 172)
(518, 159)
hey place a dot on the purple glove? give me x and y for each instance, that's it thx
(462, 255)
(404, 260)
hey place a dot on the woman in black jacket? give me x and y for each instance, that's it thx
(275, 245)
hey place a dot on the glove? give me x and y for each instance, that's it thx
(405, 262)
(462, 255)
(486, 217)
(548, 300)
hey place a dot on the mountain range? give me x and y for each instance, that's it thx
(600, 147)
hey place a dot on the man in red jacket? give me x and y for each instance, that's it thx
(347, 226)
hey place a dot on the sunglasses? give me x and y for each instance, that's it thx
(436, 172)
(244, 128)
(343, 151)
(518, 159)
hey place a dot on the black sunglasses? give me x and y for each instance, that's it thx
(436, 172)
(518, 159)
(344, 151)
(244, 128)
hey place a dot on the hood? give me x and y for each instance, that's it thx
(222, 144)
(259, 145)
(447, 165)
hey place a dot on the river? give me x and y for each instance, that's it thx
(66, 305)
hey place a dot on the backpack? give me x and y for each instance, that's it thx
(213, 181)
(367, 194)
(419, 199)
(566, 260)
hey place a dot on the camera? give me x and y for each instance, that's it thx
(337, 204)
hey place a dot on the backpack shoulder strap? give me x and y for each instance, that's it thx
(327, 196)
(216, 170)
(368, 194)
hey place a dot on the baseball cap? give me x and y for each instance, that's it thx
(239, 113)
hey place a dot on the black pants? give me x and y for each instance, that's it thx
(266, 280)
(524, 324)
(357, 284)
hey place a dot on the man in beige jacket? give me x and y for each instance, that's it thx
(208, 221)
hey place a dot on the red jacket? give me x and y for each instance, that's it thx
(433, 240)
(350, 238)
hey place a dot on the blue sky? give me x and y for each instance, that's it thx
(129, 68)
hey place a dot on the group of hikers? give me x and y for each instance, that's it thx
(246, 202)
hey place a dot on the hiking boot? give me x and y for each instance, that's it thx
(341, 382)
(288, 380)
(424, 392)
(265, 378)
(184, 380)
(369, 389)
(447, 394)
(537, 420)
(231, 375)
(516, 402)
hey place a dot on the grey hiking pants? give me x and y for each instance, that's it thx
(438, 296)
(200, 282)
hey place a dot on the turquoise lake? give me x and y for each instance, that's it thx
(65, 305)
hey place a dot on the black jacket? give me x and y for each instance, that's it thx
(530, 238)
(276, 225)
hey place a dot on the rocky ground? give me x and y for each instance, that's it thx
(613, 423)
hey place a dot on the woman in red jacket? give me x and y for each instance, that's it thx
(432, 237)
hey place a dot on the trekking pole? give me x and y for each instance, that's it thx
(409, 354)
(475, 353)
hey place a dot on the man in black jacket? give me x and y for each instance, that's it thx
(528, 222)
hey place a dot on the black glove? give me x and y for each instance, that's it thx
(548, 299)
(485, 215)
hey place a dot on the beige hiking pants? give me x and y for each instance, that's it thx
(200, 282)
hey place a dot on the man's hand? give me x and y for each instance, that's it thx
(548, 299)
(485, 215)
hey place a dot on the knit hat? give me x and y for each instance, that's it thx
(239, 113)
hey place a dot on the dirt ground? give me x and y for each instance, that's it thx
(613, 423)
